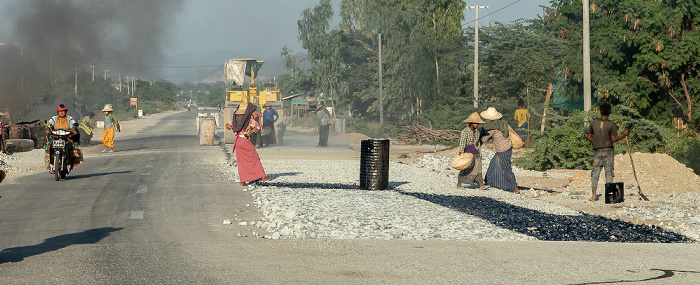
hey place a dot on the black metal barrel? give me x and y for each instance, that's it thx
(374, 164)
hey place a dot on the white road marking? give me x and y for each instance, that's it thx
(136, 215)
(149, 166)
(147, 173)
(142, 189)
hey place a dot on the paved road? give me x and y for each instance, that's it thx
(152, 213)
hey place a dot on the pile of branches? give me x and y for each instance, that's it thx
(420, 133)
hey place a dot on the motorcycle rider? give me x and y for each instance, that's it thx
(62, 121)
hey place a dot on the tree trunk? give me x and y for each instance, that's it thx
(437, 74)
(687, 97)
(527, 91)
(546, 102)
(330, 87)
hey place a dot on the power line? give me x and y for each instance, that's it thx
(494, 12)
(150, 66)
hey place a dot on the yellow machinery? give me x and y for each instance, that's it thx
(235, 71)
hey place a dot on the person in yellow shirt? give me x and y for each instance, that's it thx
(522, 115)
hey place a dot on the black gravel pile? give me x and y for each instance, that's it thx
(551, 227)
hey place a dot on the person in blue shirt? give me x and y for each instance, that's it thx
(269, 117)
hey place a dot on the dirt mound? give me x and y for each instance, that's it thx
(659, 175)
(352, 138)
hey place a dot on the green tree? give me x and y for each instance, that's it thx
(644, 54)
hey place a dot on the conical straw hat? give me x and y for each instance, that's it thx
(474, 118)
(491, 114)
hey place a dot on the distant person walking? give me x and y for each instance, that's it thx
(323, 126)
(269, 117)
(602, 133)
(85, 128)
(469, 143)
(500, 172)
(111, 125)
(522, 115)
(249, 166)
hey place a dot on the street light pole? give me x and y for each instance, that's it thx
(476, 54)
(381, 95)
(93, 72)
(586, 57)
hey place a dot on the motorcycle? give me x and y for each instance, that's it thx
(61, 151)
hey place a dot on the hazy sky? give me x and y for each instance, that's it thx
(258, 28)
(265, 26)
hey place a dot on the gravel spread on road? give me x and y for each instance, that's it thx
(321, 199)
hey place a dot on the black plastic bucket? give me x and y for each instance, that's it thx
(614, 193)
(374, 164)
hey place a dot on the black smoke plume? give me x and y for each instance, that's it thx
(51, 36)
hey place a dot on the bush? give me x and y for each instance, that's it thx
(686, 149)
(562, 146)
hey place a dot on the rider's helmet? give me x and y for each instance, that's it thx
(61, 107)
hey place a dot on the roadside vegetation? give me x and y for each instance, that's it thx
(644, 56)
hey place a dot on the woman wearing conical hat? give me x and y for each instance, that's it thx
(469, 143)
(111, 125)
(500, 172)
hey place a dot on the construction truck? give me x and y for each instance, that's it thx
(235, 71)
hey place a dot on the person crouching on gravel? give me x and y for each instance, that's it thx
(468, 141)
(500, 172)
(243, 125)
(602, 133)
(111, 125)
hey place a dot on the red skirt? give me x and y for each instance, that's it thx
(249, 166)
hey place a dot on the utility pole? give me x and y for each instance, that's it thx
(476, 54)
(21, 74)
(120, 83)
(76, 79)
(51, 70)
(105, 70)
(586, 57)
(381, 95)
(93, 72)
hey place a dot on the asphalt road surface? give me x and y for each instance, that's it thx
(152, 213)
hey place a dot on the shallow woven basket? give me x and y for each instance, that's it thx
(517, 141)
(462, 161)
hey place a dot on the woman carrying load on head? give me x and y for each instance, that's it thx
(249, 166)
(500, 172)
(468, 143)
